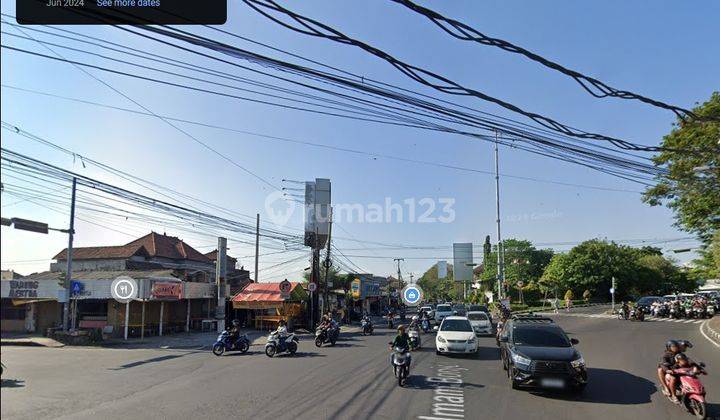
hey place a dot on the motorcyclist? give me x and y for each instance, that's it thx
(282, 328)
(672, 348)
(681, 361)
(401, 340)
(625, 310)
(234, 329)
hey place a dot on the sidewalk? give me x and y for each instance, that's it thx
(29, 340)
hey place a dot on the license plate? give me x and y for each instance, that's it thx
(552, 383)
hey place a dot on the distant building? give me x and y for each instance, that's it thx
(9, 275)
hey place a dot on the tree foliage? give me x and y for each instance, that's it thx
(691, 186)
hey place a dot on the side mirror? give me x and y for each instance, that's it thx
(435, 328)
(574, 341)
(503, 338)
(701, 364)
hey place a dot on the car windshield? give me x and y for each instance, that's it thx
(478, 308)
(444, 308)
(480, 316)
(456, 325)
(540, 337)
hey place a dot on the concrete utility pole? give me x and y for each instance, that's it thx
(68, 273)
(257, 246)
(500, 268)
(399, 275)
(220, 273)
(328, 262)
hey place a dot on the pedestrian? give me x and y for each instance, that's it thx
(568, 303)
(556, 304)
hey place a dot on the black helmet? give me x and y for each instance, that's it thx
(680, 356)
(685, 343)
(671, 343)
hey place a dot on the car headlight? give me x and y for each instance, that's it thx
(471, 340)
(520, 360)
(440, 339)
(578, 363)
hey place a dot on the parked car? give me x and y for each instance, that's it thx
(480, 322)
(645, 302)
(455, 335)
(441, 311)
(536, 352)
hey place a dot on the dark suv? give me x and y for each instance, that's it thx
(537, 352)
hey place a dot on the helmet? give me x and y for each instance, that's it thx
(685, 343)
(236, 323)
(680, 356)
(401, 327)
(671, 343)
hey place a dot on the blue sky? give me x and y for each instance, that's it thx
(661, 49)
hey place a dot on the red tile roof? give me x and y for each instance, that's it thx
(169, 247)
(150, 245)
(212, 255)
(263, 292)
(103, 252)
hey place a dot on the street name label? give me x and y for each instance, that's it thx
(121, 12)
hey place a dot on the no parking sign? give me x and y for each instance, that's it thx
(412, 294)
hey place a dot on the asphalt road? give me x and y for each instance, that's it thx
(351, 380)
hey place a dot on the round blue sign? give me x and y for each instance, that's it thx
(412, 294)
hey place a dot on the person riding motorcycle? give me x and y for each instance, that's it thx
(681, 361)
(402, 340)
(625, 310)
(234, 329)
(282, 329)
(672, 348)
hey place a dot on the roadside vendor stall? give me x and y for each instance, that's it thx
(267, 305)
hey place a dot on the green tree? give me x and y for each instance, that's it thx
(690, 182)
(659, 275)
(435, 288)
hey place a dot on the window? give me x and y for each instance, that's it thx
(444, 308)
(456, 325)
(536, 337)
(477, 316)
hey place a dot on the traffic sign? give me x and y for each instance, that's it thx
(124, 289)
(312, 287)
(285, 288)
(412, 294)
(612, 290)
(520, 283)
(76, 287)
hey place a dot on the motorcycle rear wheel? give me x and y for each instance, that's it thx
(319, 342)
(292, 348)
(244, 347)
(218, 349)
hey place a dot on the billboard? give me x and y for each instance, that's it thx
(317, 212)
(463, 261)
(442, 269)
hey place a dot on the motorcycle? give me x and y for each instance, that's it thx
(277, 345)
(225, 342)
(425, 325)
(623, 314)
(324, 335)
(690, 390)
(699, 312)
(367, 327)
(710, 311)
(401, 364)
(414, 335)
(390, 321)
(637, 314)
(674, 312)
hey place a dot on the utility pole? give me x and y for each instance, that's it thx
(328, 262)
(399, 275)
(257, 246)
(315, 278)
(68, 271)
(500, 268)
(220, 272)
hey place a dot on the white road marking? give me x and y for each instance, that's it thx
(704, 324)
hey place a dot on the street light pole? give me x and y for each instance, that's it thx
(68, 273)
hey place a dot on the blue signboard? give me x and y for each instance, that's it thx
(412, 294)
(76, 288)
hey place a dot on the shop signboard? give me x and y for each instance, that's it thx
(166, 290)
(355, 288)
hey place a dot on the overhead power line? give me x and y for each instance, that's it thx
(311, 27)
(593, 86)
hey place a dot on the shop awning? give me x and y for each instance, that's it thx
(267, 295)
(18, 302)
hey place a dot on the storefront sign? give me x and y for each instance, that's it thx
(166, 290)
(23, 289)
(355, 288)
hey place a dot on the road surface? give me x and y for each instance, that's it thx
(352, 380)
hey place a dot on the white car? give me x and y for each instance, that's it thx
(455, 335)
(441, 311)
(428, 310)
(480, 323)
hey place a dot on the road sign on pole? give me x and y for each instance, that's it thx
(286, 287)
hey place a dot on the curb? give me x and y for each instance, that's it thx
(29, 343)
(709, 333)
